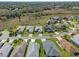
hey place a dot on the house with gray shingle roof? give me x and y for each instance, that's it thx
(20, 29)
(38, 29)
(48, 28)
(51, 49)
(19, 50)
(33, 50)
(1, 44)
(6, 50)
(30, 29)
(75, 39)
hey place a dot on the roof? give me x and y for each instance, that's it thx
(1, 44)
(75, 38)
(38, 29)
(55, 17)
(30, 28)
(70, 17)
(5, 50)
(67, 46)
(20, 28)
(50, 49)
(19, 50)
(33, 50)
(49, 28)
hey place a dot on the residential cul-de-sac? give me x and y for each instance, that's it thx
(63, 39)
(39, 29)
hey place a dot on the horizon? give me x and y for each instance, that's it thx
(39, 1)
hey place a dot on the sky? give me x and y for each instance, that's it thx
(39, 0)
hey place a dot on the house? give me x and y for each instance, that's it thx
(70, 17)
(33, 50)
(51, 49)
(67, 46)
(38, 29)
(48, 28)
(75, 39)
(6, 49)
(55, 18)
(49, 21)
(19, 50)
(20, 29)
(30, 29)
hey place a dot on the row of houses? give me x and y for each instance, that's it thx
(32, 51)
(37, 29)
(48, 27)
(50, 49)
(30, 29)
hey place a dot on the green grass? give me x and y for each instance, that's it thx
(28, 41)
(43, 21)
(25, 33)
(63, 53)
(67, 37)
(17, 42)
(35, 33)
(42, 52)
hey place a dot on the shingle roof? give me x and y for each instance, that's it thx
(67, 46)
(30, 28)
(21, 29)
(75, 38)
(38, 29)
(19, 50)
(50, 48)
(5, 50)
(33, 50)
(1, 45)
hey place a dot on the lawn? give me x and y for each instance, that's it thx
(25, 33)
(44, 20)
(42, 52)
(67, 37)
(17, 42)
(62, 51)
